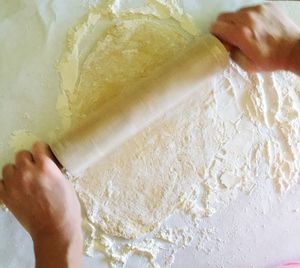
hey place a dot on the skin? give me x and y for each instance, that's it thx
(45, 203)
(259, 38)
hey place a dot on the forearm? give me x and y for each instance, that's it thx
(295, 59)
(56, 252)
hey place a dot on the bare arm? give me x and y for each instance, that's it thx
(59, 251)
(295, 59)
(260, 38)
(45, 203)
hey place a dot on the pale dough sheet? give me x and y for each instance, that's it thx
(238, 129)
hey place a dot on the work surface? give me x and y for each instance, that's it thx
(257, 230)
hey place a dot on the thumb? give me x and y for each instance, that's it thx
(243, 61)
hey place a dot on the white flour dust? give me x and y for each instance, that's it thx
(236, 130)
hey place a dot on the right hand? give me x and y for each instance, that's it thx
(260, 38)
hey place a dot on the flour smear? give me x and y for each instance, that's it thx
(236, 130)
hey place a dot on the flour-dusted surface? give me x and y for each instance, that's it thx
(246, 215)
(130, 51)
(237, 130)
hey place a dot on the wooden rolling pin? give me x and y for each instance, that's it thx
(128, 114)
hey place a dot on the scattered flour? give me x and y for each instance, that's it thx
(236, 130)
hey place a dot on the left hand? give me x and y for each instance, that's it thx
(40, 197)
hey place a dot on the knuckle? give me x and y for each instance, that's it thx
(7, 169)
(36, 145)
(24, 173)
(21, 155)
(222, 15)
(44, 164)
(244, 32)
(250, 17)
(259, 8)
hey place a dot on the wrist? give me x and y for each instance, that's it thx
(60, 240)
(63, 235)
(294, 58)
(59, 249)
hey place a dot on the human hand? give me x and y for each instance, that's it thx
(44, 202)
(260, 38)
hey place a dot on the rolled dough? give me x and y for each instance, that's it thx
(236, 130)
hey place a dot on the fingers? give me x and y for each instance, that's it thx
(2, 191)
(230, 17)
(8, 171)
(41, 152)
(23, 158)
(233, 34)
(243, 61)
(239, 36)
